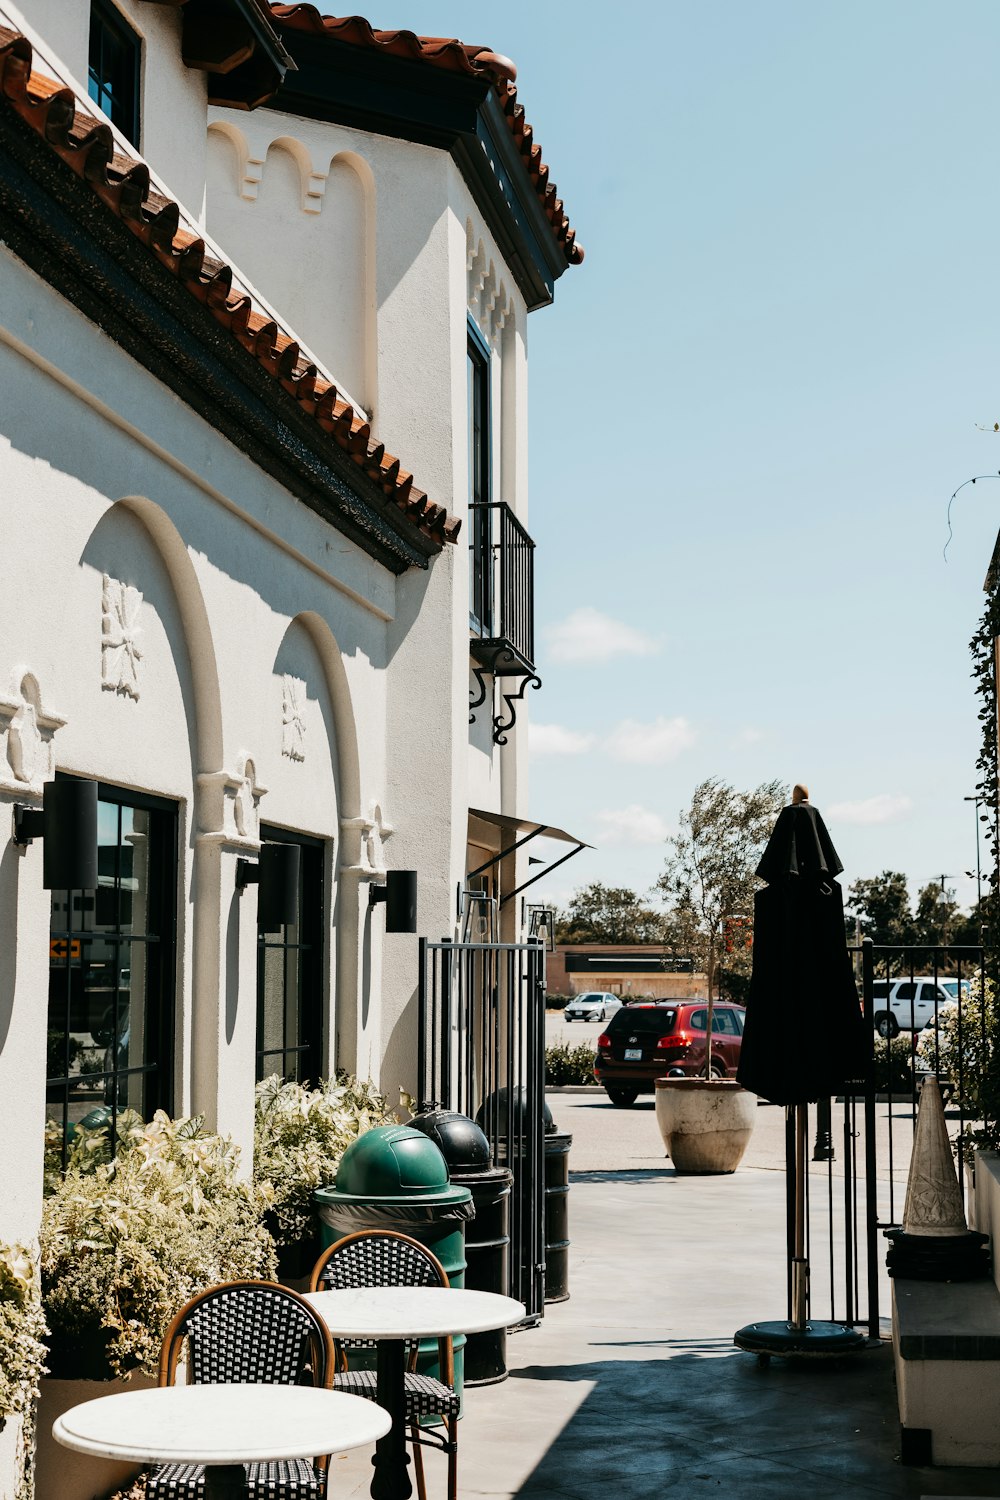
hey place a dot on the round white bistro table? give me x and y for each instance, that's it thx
(389, 1316)
(221, 1426)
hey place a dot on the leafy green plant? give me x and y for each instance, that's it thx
(300, 1134)
(556, 1002)
(894, 1064)
(22, 1351)
(566, 1064)
(963, 1048)
(126, 1241)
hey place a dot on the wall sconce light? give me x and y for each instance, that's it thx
(542, 926)
(400, 896)
(67, 825)
(276, 874)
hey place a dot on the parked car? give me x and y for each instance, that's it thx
(909, 1004)
(595, 1005)
(665, 1039)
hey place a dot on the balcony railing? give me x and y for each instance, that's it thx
(502, 557)
(505, 644)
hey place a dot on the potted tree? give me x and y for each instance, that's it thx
(706, 1122)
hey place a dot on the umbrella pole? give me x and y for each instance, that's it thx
(800, 1266)
(797, 1336)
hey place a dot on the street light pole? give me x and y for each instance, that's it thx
(979, 883)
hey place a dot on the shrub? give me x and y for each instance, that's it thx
(557, 1002)
(300, 1134)
(894, 1064)
(962, 1047)
(22, 1351)
(566, 1064)
(125, 1242)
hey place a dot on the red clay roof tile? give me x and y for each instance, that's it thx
(122, 183)
(454, 56)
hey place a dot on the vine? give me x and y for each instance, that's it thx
(983, 647)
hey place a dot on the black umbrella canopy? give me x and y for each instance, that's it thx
(805, 1036)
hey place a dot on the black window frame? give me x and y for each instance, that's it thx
(480, 429)
(160, 999)
(311, 946)
(114, 68)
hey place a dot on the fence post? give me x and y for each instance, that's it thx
(871, 1188)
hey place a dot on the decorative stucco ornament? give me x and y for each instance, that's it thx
(121, 653)
(246, 800)
(26, 731)
(377, 831)
(293, 726)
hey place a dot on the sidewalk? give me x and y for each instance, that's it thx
(633, 1389)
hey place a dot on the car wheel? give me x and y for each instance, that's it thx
(886, 1025)
(602, 1015)
(622, 1098)
(718, 1071)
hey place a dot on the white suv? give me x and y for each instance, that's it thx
(909, 1004)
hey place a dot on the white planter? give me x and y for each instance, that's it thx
(705, 1123)
(61, 1474)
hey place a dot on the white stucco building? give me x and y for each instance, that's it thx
(263, 490)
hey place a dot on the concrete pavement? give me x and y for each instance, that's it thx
(633, 1388)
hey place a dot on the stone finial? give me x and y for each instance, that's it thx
(800, 793)
(933, 1198)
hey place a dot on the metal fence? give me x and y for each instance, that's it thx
(481, 1051)
(865, 1140)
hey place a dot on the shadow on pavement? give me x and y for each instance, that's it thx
(706, 1419)
(627, 1174)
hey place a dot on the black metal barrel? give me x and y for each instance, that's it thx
(557, 1215)
(487, 1240)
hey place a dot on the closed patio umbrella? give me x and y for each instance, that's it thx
(805, 1037)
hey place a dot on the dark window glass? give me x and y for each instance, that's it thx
(480, 528)
(724, 1021)
(880, 989)
(290, 976)
(114, 68)
(699, 1020)
(642, 1020)
(905, 991)
(111, 970)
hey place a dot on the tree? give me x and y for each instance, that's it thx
(879, 907)
(936, 916)
(710, 876)
(609, 914)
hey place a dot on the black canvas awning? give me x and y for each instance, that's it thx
(519, 831)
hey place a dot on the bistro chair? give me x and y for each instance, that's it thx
(248, 1333)
(381, 1257)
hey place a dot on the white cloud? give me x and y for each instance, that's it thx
(632, 825)
(650, 744)
(553, 739)
(587, 636)
(882, 808)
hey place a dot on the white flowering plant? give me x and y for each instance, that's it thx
(125, 1241)
(300, 1134)
(22, 1331)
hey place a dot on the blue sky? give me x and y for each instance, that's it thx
(749, 408)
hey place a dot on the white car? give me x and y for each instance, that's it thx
(595, 1005)
(910, 1004)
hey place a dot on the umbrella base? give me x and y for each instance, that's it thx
(782, 1341)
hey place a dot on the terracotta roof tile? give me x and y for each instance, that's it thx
(122, 183)
(457, 57)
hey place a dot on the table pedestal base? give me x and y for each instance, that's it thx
(225, 1482)
(391, 1481)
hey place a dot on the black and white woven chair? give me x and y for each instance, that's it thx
(252, 1333)
(382, 1257)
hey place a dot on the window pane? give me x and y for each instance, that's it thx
(289, 979)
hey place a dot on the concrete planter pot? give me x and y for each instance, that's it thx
(706, 1123)
(61, 1474)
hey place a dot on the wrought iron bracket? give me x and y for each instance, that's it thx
(479, 673)
(502, 726)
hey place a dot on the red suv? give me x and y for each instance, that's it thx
(666, 1039)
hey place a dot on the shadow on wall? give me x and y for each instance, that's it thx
(10, 876)
(232, 966)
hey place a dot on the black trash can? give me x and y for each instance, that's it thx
(487, 1238)
(527, 1196)
(557, 1215)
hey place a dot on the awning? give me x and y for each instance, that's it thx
(521, 831)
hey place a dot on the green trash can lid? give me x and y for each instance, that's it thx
(394, 1161)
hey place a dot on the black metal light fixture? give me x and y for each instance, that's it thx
(276, 874)
(67, 824)
(400, 896)
(542, 926)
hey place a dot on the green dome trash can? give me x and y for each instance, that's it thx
(393, 1177)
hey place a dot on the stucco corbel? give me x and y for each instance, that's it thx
(229, 807)
(27, 728)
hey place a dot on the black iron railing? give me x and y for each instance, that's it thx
(505, 642)
(481, 1051)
